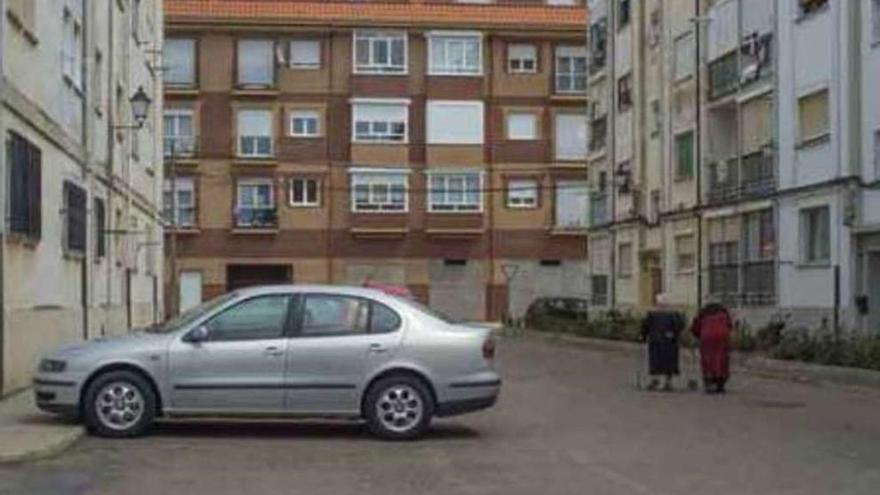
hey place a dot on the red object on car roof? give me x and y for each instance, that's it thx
(392, 290)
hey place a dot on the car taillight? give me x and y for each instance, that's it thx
(489, 348)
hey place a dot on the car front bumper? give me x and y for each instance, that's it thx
(56, 394)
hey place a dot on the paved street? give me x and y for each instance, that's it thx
(569, 422)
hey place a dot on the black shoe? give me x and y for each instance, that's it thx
(653, 385)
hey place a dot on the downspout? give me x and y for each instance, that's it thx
(489, 190)
(3, 204)
(110, 211)
(328, 188)
(698, 144)
(644, 199)
(611, 64)
(87, 166)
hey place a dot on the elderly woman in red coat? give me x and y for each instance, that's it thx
(713, 327)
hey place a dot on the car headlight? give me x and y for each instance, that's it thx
(52, 366)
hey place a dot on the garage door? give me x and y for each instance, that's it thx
(458, 289)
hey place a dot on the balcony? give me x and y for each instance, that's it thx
(731, 180)
(256, 219)
(759, 283)
(723, 76)
(256, 147)
(179, 147)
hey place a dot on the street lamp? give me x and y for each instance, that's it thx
(140, 106)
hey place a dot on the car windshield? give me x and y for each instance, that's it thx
(429, 311)
(192, 314)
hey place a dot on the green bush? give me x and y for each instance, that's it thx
(855, 351)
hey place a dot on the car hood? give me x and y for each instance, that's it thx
(132, 343)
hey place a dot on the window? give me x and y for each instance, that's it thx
(256, 63)
(813, 117)
(452, 53)
(25, 187)
(455, 122)
(324, 315)
(522, 126)
(598, 133)
(808, 7)
(75, 218)
(522, 194)
(522, 58)
(305, 123)
(759, 237)
(379, 191)
(623, 13)
(598, 45)
(304, 192)
(684, 57)
(380, 121)
(877, 154)
(72, 46)
(100, 228)
(260, 318)
(179, 62)
(380, 52)
(383, 319)
(255, 133)
(599, 289)
(178, 128)
(179, 211)
(875, 20)
(625, 259)
(816, 235)
(305, 54)
(455, 192)
(571, 136)
(685, 253)
(255, 204)
(571, 204)
(97, 83)
(571, 69)
(684, 155)
(562, 2)
(624, 93)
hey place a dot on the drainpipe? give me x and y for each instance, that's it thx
(489, 165)
(698, 144)
(329, 195)
(612, 146)
(2, 203)
(110, 211)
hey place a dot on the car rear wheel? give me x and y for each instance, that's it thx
(119, 404)
(399, 407)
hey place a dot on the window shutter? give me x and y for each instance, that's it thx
(33, 167)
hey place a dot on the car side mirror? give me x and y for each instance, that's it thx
(196, 335)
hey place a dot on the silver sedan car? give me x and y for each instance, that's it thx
(281, 351)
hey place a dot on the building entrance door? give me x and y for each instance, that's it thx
(872, 278)
(651, 279)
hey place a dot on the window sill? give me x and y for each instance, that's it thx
(522, 73)
(181, 90)
(521, 208)
(454, 74)
(814, 265)
(255, 91)
(183, 230)
(367, 72)
(256, 161)
(379, 212)
(255, 230)
(814, 141)
(383, 142)
(580, 163)
(568, 231)
(378, 232)
(73, 255)
(451, 232)
(305, 206)
(564, 96)
(22, 240)
(306, 136)
(454, 212)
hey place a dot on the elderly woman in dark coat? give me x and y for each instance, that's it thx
(661, 329)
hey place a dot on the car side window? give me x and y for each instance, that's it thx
(383, 319)
(325, 315)
(259, 318)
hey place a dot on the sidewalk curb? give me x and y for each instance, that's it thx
(794, 371)
(49, 449)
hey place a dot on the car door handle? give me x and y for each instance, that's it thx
(273, 351)
(377, 348)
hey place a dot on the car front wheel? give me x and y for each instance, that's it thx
(399, 407)
(119, 404)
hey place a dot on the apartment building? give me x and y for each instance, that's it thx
(81, 176)
(437, 145)
(764, 194)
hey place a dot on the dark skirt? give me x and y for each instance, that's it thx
(663, 356)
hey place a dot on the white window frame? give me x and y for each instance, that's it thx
(683, 236)
(625, 270)
(378, 36)
(683, 57)
(373, 177)
(374, 136)
(522, 194)
(508, 128)
(188, 148)
(72, 45)
(304, 114)
(183, 184)
(584, 217)
(292, 49)
(572, 52)
(563, 156)
(806, 234)
(511, 48)
(305, 203)
(439, 201)
(430, 125)
(239, 136)
(450, 37)
(189, 44)
(253, 182)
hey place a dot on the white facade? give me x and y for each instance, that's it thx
(70, 67)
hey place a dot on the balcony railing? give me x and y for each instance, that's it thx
(759, 283)
(256, 218)
(255, 147)
(179, 146)
(730, 180)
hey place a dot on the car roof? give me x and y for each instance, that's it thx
(348, 290)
